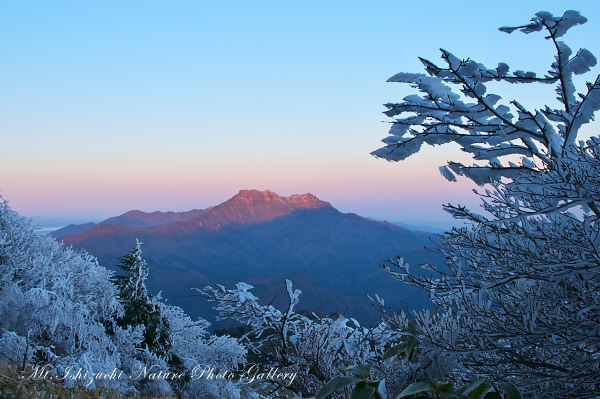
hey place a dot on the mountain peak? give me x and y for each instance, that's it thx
(306, 201)
(246, 207)
(255, 194)
(256, 206)
(296, 201)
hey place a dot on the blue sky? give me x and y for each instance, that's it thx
(111, 106)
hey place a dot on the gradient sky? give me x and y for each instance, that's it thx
(109, 106)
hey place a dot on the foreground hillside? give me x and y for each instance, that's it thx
(69, 322)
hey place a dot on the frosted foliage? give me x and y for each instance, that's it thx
(60, 308)
(54, 301)
(520, 292)
(314, 347)
(455, 106)
(138, 285)
(197, 348)
(136, 269)
(518, 297)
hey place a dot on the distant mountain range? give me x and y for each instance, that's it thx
(131, 219)
(263, 238)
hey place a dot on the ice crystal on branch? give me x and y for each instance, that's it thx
(518, 297)
(455, 106)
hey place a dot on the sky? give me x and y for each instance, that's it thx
(109, 106)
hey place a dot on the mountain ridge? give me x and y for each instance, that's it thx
(256, 235)
(246, 207)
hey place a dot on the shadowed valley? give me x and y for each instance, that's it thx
(262, 238)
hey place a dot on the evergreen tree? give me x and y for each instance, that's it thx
(62, 310)
(141, 309)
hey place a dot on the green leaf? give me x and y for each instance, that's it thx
(338, 382)
(492, 395)
(410, 349)
(406, 347)
(445, 387)
(412, 328)
(360, 370)
(363, 391)
(417, 387)
(475, 389)
(511, 390)
(395, 350)
(478, 392)
(453, 395)
(471, 386)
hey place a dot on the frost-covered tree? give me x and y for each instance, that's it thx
(55, 304)
(194, 347)
(519, 295)
(480, 123)
(60, 309)
(140, 308)
(314, 348)
(171, 339)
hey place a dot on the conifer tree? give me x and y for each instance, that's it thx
(140, 307)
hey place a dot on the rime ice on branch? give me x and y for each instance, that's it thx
(480, 123)
(519, 295)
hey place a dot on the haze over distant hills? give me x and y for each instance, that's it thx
(262, 238)
(132, 219)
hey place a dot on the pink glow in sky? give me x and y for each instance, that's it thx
(96, 189)
(115, 106)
